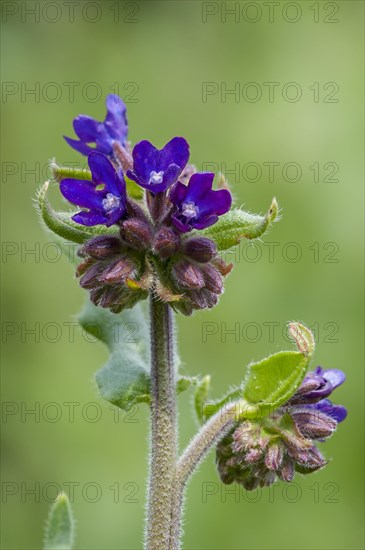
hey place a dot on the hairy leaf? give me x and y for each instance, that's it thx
(236, 224)
(124, 380)
(59, 533)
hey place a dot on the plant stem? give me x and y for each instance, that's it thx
(210, 433)
(163, 428)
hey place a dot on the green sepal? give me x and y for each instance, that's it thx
(61, 223)
(125, 380)
(60, 528)
(236, 224)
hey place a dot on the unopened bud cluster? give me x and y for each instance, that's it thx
(148, 255)
(256, 452)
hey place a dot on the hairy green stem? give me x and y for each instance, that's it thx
(163, 428)
(209, 434)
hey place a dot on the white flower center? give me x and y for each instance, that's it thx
(156, 177)
(189, 210)
(110, 202)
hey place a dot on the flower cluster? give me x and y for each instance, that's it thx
(254, 453)
(151, 250)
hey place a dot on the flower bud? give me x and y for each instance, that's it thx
(200, 249)
(166, 242)
(213, 280)
(137, 233)
(188, 275)
(101, 247)
(117, 272)
(255, 452)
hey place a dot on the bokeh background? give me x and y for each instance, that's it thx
(160, 56)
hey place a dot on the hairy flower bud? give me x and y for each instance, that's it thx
(255, 452)
(137, 233)
(166, 242)
(200, 249)
(101, 247)
(188, 275)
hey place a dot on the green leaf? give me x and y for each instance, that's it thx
(201, 396)
(272, 381)
(125, 379)
(60, 526)
(230, 228)
(61, 223)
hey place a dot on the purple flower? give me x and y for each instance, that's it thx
(318, 384)
(104, 197)
(337, 412)
(197, 205)
(102, 134)
(157, 169)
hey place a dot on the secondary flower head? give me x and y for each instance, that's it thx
(256, 452)
(104, 198)
(101, 134)
(197, 206)
(157, 169)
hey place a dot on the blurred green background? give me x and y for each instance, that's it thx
(159, 55)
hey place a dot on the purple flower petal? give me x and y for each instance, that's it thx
(116, 119)
(79, 146)
(103, 172)
(104, 197)
(175, 151)
(178, 193)
(82, 193)
(101, 134)
(197, 205)
(338, 412)
(86, 128)
(205, 222)
(90, 218)
(334, 376)
(157, 169)
(199, 185)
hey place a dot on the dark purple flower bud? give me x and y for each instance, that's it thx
(213, 279)
(274, 456)
(90, 278)
(104, 198)
(101, 247)
(313, 423)
(166, 242)
(188, 275)
(200, 249)
(103, 134)
(157, 169)
(197, 205)
(117, 271)
(253, 455)
(159, 206)
(137, 233)
(286, 471)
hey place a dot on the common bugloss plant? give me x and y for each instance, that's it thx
(150, 226)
